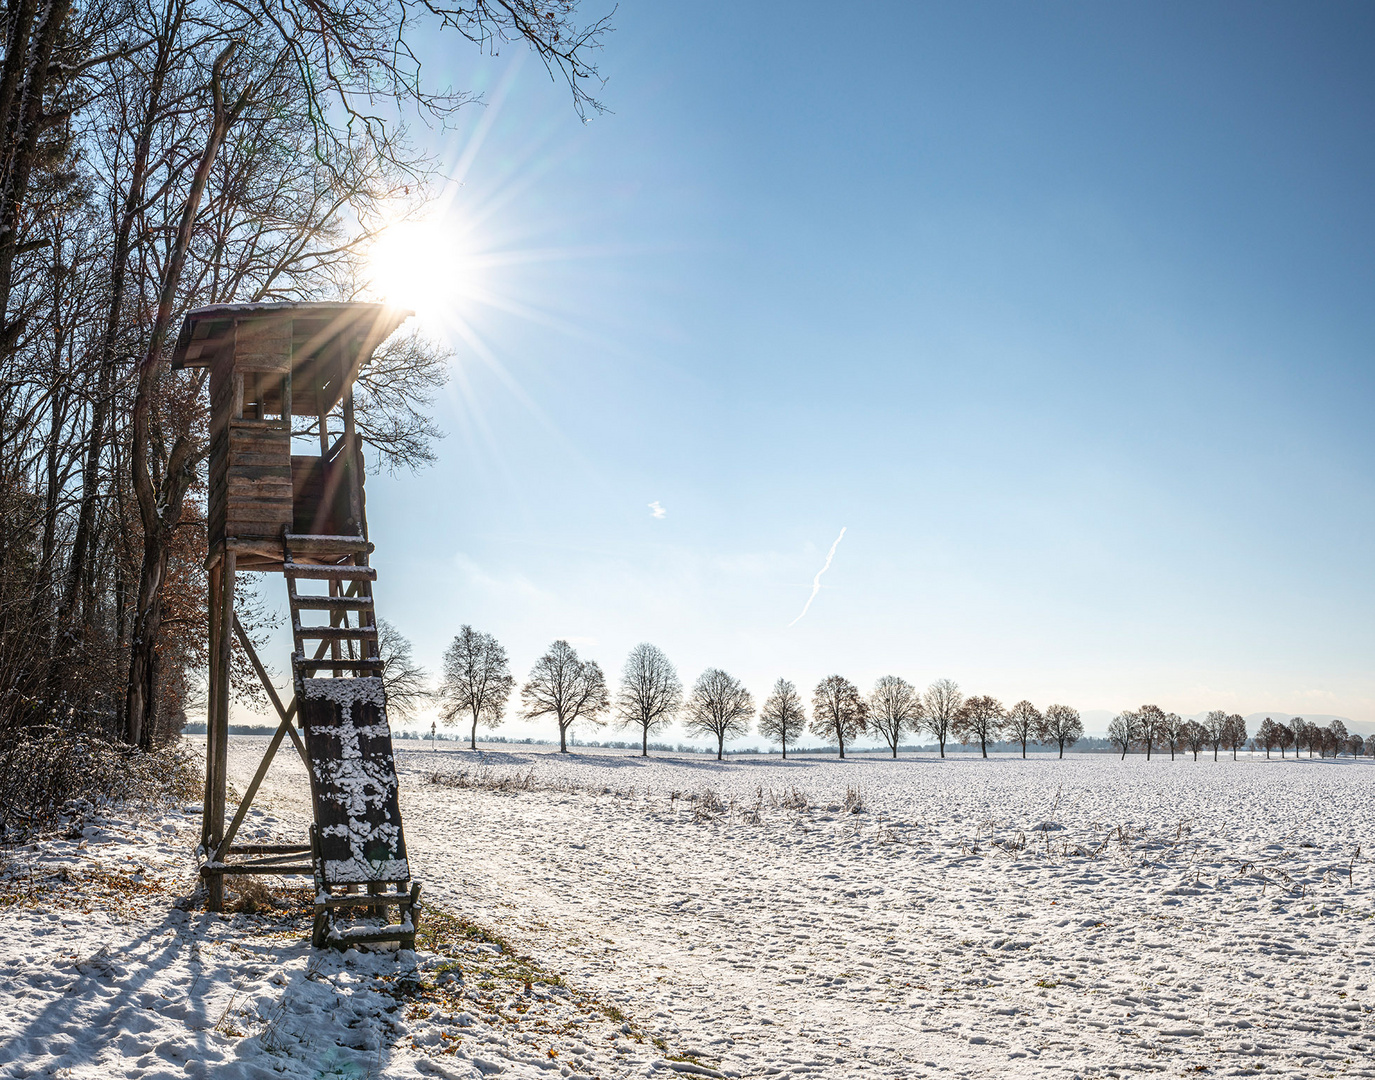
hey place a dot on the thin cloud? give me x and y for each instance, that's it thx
(655, 510)
(816, 581)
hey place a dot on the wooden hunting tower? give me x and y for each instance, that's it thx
(274, 368)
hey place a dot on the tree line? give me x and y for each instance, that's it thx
(1150, 728)
(477, 685)
(157, 156)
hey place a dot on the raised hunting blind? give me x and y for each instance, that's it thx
(275, 368)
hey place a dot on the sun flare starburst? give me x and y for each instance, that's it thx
(424, 265)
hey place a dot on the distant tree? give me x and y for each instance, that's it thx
(1195, 736)
(650, 692)
(978, 721)
(839, 711)
(894, 708)
(1303, 735)
(1215, 724)
(1021, 723)
(1354, 745)
(1172, 733)
(477, 682)
(406, 682)
(721, 706)
(1285, 734)
(1234, 737)
(1334, 737)
(1268, 735)
(1060, 725)
(1124, 730)
(567, 688)
(940, 705)
(1151, 721)
(783, 718)
(1370, 746)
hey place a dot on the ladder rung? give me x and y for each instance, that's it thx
(332, 603)
(337, 633)
(330, 573)
(372, 664)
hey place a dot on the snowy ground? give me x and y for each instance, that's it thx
(1083, 917)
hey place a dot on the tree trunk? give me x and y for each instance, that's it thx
(720, 745)
(644, 744)
(840, 738)
(1023, 749)
(983, 745)
(141, 699)
(472, 738)
(895, 750)
(942, 745)
(563, 738)
(1062, 751)
(33, 33)
(1124, 752)
(785, 748)
(160, 510)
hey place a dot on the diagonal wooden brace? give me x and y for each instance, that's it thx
(284, 728)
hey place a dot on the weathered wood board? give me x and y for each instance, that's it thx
(353, 781)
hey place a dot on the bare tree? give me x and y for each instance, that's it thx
(1172, 732)
(940, 705)
(1305, 736)
(839, 711)
(1022, 722)
(1234, 738)
(406, 682)
(1124, 730)
(1268, 735)
(566, 688)
(720, 706)
(1195, 736)
(1370, 746)
(650, 692)
(1150, 721)
(1215, 724)
(978, 720)
(894, 708)
(1060, 725)
(477, 681)
(1285, 734)
(1354, 745)
(783, 718)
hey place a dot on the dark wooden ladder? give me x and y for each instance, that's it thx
(350, 639)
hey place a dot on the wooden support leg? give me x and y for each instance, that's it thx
(410, 913)
(217, 725)
(211, 703)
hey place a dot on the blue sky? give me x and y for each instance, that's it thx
(1062, 311)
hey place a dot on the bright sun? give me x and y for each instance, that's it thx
(420, 265)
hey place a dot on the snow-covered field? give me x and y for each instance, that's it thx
(1084, 917)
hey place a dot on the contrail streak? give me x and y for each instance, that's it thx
(816, 581)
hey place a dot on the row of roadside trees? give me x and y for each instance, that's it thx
(477, 686)
(1150, 728)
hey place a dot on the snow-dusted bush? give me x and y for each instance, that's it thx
(45, 772)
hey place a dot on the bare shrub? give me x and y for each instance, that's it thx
(795, 800)
(854, 800)
(45, 772)
(251, 895)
